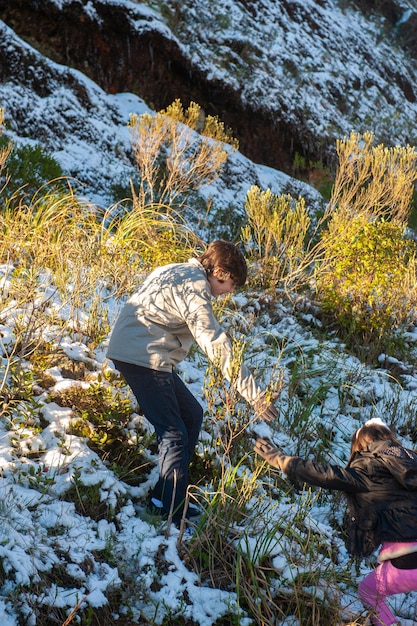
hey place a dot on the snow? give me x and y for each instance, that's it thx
(37, 524)
(309, 63)
(39, 529)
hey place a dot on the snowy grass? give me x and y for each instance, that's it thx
(78, 459)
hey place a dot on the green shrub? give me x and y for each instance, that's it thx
(29, 169)
(5, 146)
(101, 416)
(367, 275)
(369, 285)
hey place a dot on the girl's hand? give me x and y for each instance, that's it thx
(270, 453)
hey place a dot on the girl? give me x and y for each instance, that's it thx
(380, 482)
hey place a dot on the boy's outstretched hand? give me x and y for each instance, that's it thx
(265, 409)
(270, 453)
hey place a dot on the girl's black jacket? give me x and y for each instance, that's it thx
(381, 489)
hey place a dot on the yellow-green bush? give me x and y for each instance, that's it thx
(367, 274)
(275, 236)
(172, 158)
(370, 284)
(375, 180)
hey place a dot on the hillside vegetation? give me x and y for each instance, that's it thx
(74, 442)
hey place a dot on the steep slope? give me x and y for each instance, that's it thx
(85, 128)
(82, 126)
(287, 77)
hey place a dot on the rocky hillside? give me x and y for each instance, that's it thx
(288, 77)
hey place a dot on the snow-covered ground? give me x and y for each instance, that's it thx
(41, 531)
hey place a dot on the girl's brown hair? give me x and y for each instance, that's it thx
(368, 434)
(225, 255)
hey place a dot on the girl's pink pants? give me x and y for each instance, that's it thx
(385, 580)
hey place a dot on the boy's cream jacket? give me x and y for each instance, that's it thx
(159, 323)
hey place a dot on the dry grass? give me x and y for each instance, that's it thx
(177, 151)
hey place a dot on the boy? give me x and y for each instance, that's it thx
(154, 332)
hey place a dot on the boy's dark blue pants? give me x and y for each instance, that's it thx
(177, 417)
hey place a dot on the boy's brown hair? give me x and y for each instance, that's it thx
(226, 256)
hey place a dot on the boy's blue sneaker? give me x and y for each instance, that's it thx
(155, 507)
(188, 532)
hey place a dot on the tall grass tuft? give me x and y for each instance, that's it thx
(266, 550)
(275, 239)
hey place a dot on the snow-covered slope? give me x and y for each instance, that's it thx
(86, 130)
(287, 77)
(308, 73)
(324, 68)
